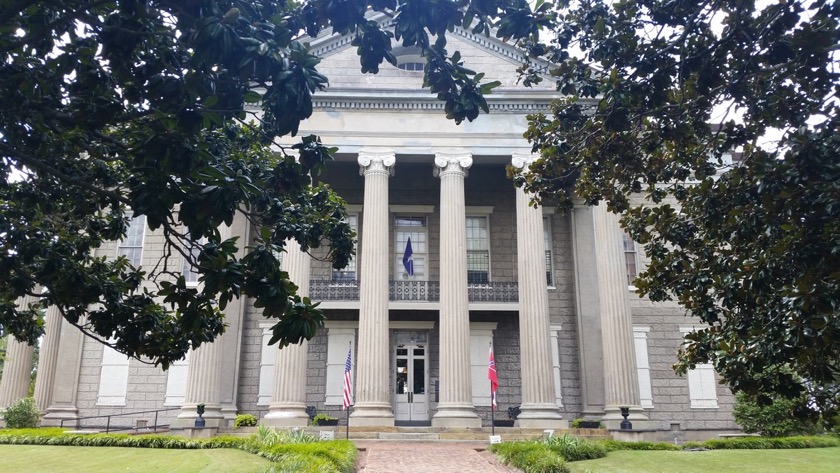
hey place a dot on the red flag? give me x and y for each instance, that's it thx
(494, 379)
(347, 393)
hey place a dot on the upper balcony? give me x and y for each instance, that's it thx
(421, 295)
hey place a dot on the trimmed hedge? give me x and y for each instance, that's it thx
(537, 456)
(338, 456)
(765, 443)
(615, 445)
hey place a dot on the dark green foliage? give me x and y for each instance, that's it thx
(325, 457)
(573, 448)
(113, 109)
(22, 414)
(764, 443)
(245, 420)
(530, 457)
(777, 419)
(659, 94)
(615, 445)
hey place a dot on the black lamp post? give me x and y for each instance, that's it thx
(199, 422)
(625, 424)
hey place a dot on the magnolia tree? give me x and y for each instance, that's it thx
(118, 108)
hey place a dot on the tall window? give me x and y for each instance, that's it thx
(630, 258)
(132, 245)
(348, 273)
(190, 274)
(643, 365)
(478, 251)
(549, 279)
(702, 382)
(410, 260)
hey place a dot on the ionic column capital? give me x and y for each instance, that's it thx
(522, 160)
(376, 161)
(452, 162)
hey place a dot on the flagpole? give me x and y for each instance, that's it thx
(492, 412)
(347, 427)
(492, 403)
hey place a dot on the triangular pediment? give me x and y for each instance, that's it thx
(340, 62)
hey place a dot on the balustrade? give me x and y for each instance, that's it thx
(420, 291)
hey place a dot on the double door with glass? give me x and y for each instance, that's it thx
(411, 379)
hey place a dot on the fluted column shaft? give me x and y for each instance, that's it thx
(621, 383)
(373, 406)
(288, 395)
(17, 368)
(455, 406)
(231, 340)
(48, 359)
(204, 375)
(539, 404)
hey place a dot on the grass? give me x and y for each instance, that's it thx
(809, 460)
(36, 458)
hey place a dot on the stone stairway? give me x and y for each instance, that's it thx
(436, 433)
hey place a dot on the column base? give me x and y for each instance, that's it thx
(372, 415)
(229, 412)
(456, 415)
(286, 415)
(540, 416)
(56, 414)
(213, 417)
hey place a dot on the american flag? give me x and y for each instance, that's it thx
(493, 377)
(348, 390)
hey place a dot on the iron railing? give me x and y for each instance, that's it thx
(419, 291)
(138, 421)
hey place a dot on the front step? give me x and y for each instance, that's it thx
(388, 433)
(409, 436)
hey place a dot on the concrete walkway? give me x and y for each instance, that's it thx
(427, 457)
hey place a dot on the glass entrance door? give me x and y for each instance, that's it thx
(411, 379)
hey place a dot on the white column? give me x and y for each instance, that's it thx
(621, 384)
(65, 391)
(373, 396)
(288, 396)
(48, 359)
(17, 368)
(455, 408)
(539, 402)
(204, 375)
(231, 340)
(590, 340)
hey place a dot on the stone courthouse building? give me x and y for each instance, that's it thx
(451, 261)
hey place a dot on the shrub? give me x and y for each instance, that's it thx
(615, 445)
(324, 417)
(300, 453)
(763, 443)
(530, 457)
(244, 420)
(573, 448)
(776, 419)
(23, 414)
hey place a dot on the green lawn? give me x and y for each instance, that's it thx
(34, 458)
(809, 460)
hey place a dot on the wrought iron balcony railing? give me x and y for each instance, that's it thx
(407, 291)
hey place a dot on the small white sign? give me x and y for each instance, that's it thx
(327, 435)
(495, 439)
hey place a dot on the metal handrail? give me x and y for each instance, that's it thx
(108, 417)
(414, 291)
